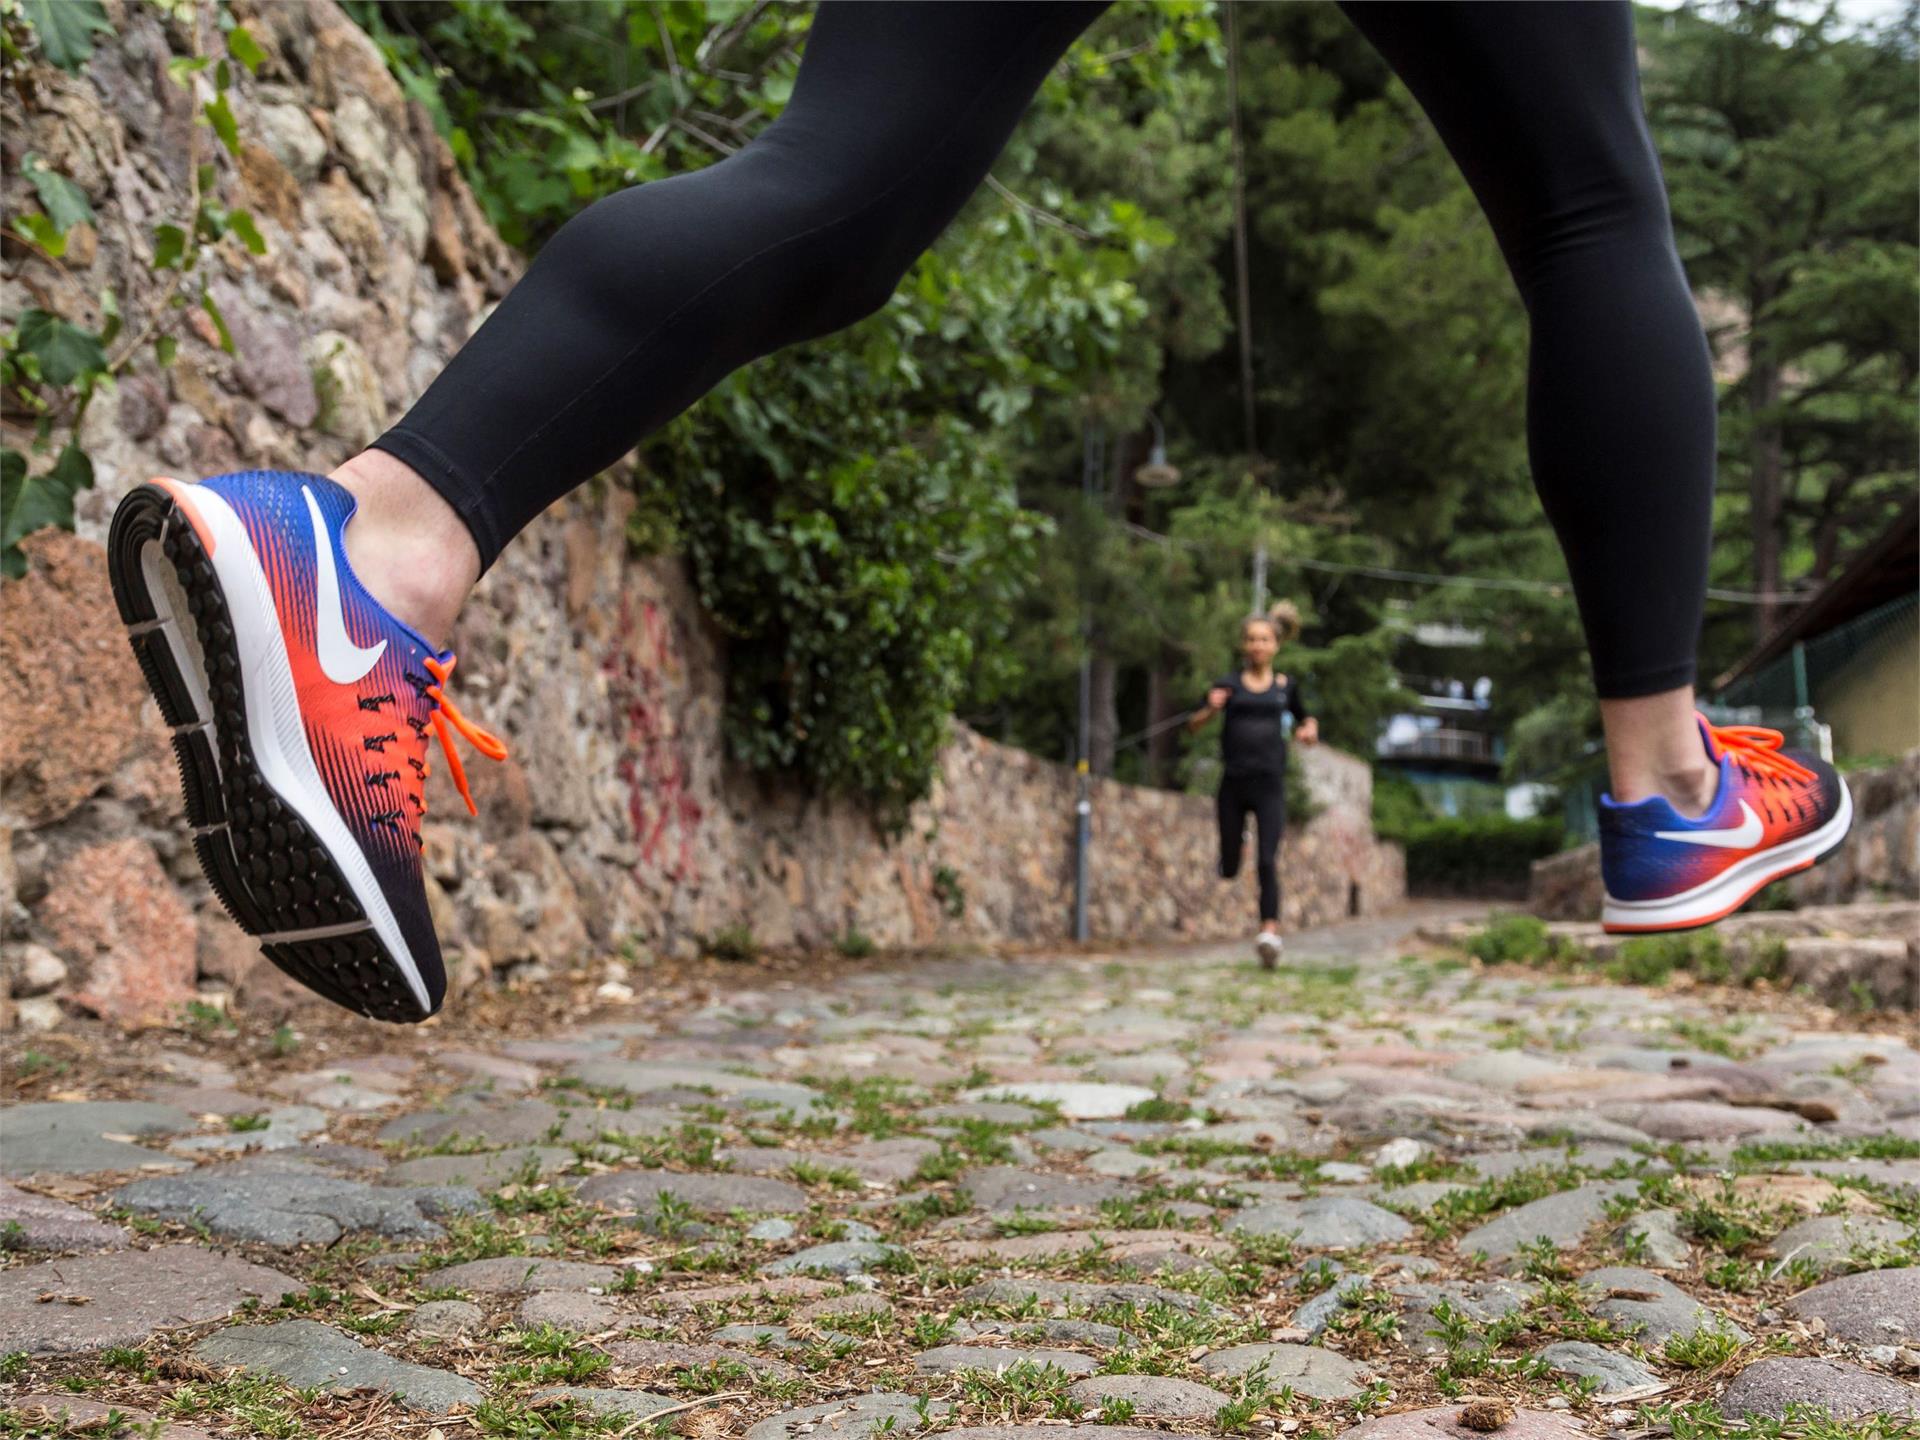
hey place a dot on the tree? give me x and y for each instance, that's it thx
(1788, 148)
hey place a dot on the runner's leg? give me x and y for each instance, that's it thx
(1540, 106)
(1230, 808)
(646, 299)
(1270, 814)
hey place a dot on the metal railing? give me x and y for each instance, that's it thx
(1792, 683)
(1442, 744)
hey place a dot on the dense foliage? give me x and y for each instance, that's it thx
(1473, 854)
(1789, 150)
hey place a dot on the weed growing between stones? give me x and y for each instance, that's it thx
(1703, 1420)
(1159, 1109)
(566, 1420)
(1022, 1391)
(1644, 960)
(1368, 1319)
(265, 1406)
(1459, 1210)
(1253, 1391)
(806, 1172)
(1707, 1348)
(560, 1355)
(1761, 1154)
(1024, 1222)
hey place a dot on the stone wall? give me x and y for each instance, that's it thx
(1880, 859)
(617, 824)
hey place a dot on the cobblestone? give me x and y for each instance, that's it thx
(1013, 1198)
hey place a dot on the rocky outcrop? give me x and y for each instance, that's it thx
(1863, 956)
(1567, 886)
(123, 926)
(1881, 857)
(618, 820)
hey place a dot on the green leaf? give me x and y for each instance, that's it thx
(66, 29)
(110, 308)
(211, 223)
(241, 223)
(12, 479)
(245, 48)
(73, 469)
(65, 202)
(164, 347)
(43, 232)
(32, 502)
(169, 244)
(65, 352)
(220, 116)
(208, 304)
(181, 68)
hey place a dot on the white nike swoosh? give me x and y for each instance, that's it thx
(1743, 836)
(343, 662)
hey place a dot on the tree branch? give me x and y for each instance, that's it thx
(1045, 217)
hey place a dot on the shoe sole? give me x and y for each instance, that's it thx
(1733, 887)
(235, 720)
(1269, 953)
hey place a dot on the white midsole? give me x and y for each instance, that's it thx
(1732, 884)
(274, 729)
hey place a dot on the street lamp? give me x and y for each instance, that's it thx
(1157, 474)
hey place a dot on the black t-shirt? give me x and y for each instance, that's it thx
(1253, 741)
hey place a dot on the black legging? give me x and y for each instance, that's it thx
(645, 300)
(1265, 798)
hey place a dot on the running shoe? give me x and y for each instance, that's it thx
(300, 711)
(1268, 946)
(1777, 811)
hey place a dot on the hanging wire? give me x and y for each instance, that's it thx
(1473, 582)
(1157, 728)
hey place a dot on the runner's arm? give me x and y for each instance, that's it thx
(1306, 728)
(1215, 702)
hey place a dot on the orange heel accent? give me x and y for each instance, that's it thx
(485, 741)
(179, 493)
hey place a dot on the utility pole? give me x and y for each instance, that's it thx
(1240, 228)
(1092, 462)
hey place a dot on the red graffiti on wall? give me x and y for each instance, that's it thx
(661, 808)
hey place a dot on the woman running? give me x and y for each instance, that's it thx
(299, 656)
(1253, 706)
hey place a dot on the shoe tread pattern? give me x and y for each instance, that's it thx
(269, 870)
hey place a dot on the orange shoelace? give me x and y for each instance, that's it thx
(445, 711)
(1757, 750)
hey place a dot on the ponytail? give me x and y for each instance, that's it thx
(1284, 616)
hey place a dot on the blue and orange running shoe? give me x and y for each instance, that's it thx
(1777, 811)
(300, 711)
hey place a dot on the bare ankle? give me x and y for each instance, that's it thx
(406, 544)
(1691, 791)
(1654, 749)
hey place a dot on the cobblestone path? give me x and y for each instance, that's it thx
(1384, 1192)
